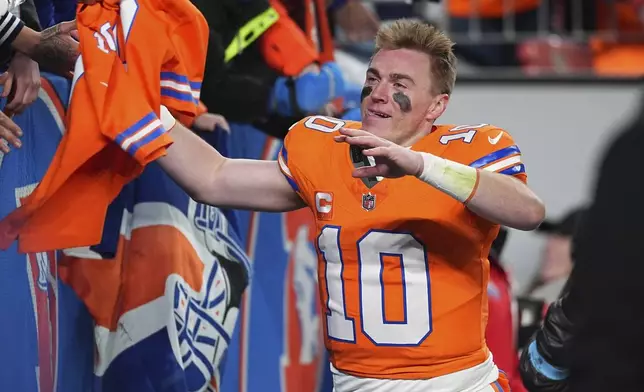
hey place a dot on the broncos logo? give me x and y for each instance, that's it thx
(212, 222)
(199, 319)
(204, 320)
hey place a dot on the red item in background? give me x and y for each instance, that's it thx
(501, 334)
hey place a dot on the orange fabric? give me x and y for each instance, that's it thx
(620, 60)
(113, 126)
(101, 283)
(488, 8)
(318, 29)
(625, 56)
(285, 47)
(502, 384)
(438, 240)
(189, 119)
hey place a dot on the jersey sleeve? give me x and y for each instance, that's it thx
(292, 155)
(117, 91)
(182, 74)
(493, 149)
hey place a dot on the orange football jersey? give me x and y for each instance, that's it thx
(403, 267)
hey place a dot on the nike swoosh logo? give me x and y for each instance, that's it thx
(496, 139)
(104, 84)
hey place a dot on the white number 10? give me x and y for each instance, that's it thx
(417, 321)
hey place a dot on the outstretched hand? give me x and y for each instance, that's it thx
(392, 160)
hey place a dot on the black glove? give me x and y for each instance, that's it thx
(544, 362)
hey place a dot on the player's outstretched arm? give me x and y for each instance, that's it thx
(505, 200)
(493, 196)
(213, 179)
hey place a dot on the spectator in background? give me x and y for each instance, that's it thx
(501, 333)
(357, 21)
(356, 24)
(21, 81)
(237, 83)
(624, 54)
(557, 261)
(491, 18)
(615, 46)
(266, 65)
(592, 337)
(54, 49)
(310, 83)
(51, 12)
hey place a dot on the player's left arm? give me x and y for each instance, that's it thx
(496, 196)
(500, 193)
(500, 198)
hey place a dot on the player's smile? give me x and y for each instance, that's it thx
(377, 114)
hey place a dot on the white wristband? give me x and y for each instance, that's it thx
(453, 178)
(167, 119)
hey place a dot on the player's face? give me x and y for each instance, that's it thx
(397, 99)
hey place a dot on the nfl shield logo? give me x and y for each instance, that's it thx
(368, 201)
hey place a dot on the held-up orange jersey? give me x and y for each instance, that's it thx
(136, 55)
(403, 267)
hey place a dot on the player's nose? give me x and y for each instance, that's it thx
(380, 93)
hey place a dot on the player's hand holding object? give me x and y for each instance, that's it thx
(394, 161)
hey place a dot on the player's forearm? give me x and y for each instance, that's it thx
(191, 162)
(210, 178)
(496, 197)
(50, 48)
(507, 201)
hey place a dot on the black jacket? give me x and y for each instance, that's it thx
(239, 90)
(606, 299)
(596, 330)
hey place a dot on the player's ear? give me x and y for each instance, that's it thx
(438, 106)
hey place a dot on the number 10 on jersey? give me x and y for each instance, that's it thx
(372, 248)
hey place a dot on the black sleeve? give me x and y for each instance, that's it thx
(544, 361)
(606, 298)
(10, 27)
(239, 89)
(29, 15)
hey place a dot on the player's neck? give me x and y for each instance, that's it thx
(416, 136)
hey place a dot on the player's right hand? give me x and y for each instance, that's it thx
(392, 160)
(10, 133)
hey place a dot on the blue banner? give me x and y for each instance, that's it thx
(277, 346)
(45, 331)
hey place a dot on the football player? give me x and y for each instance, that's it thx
(406, 211)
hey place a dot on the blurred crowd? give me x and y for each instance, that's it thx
(285, 51)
